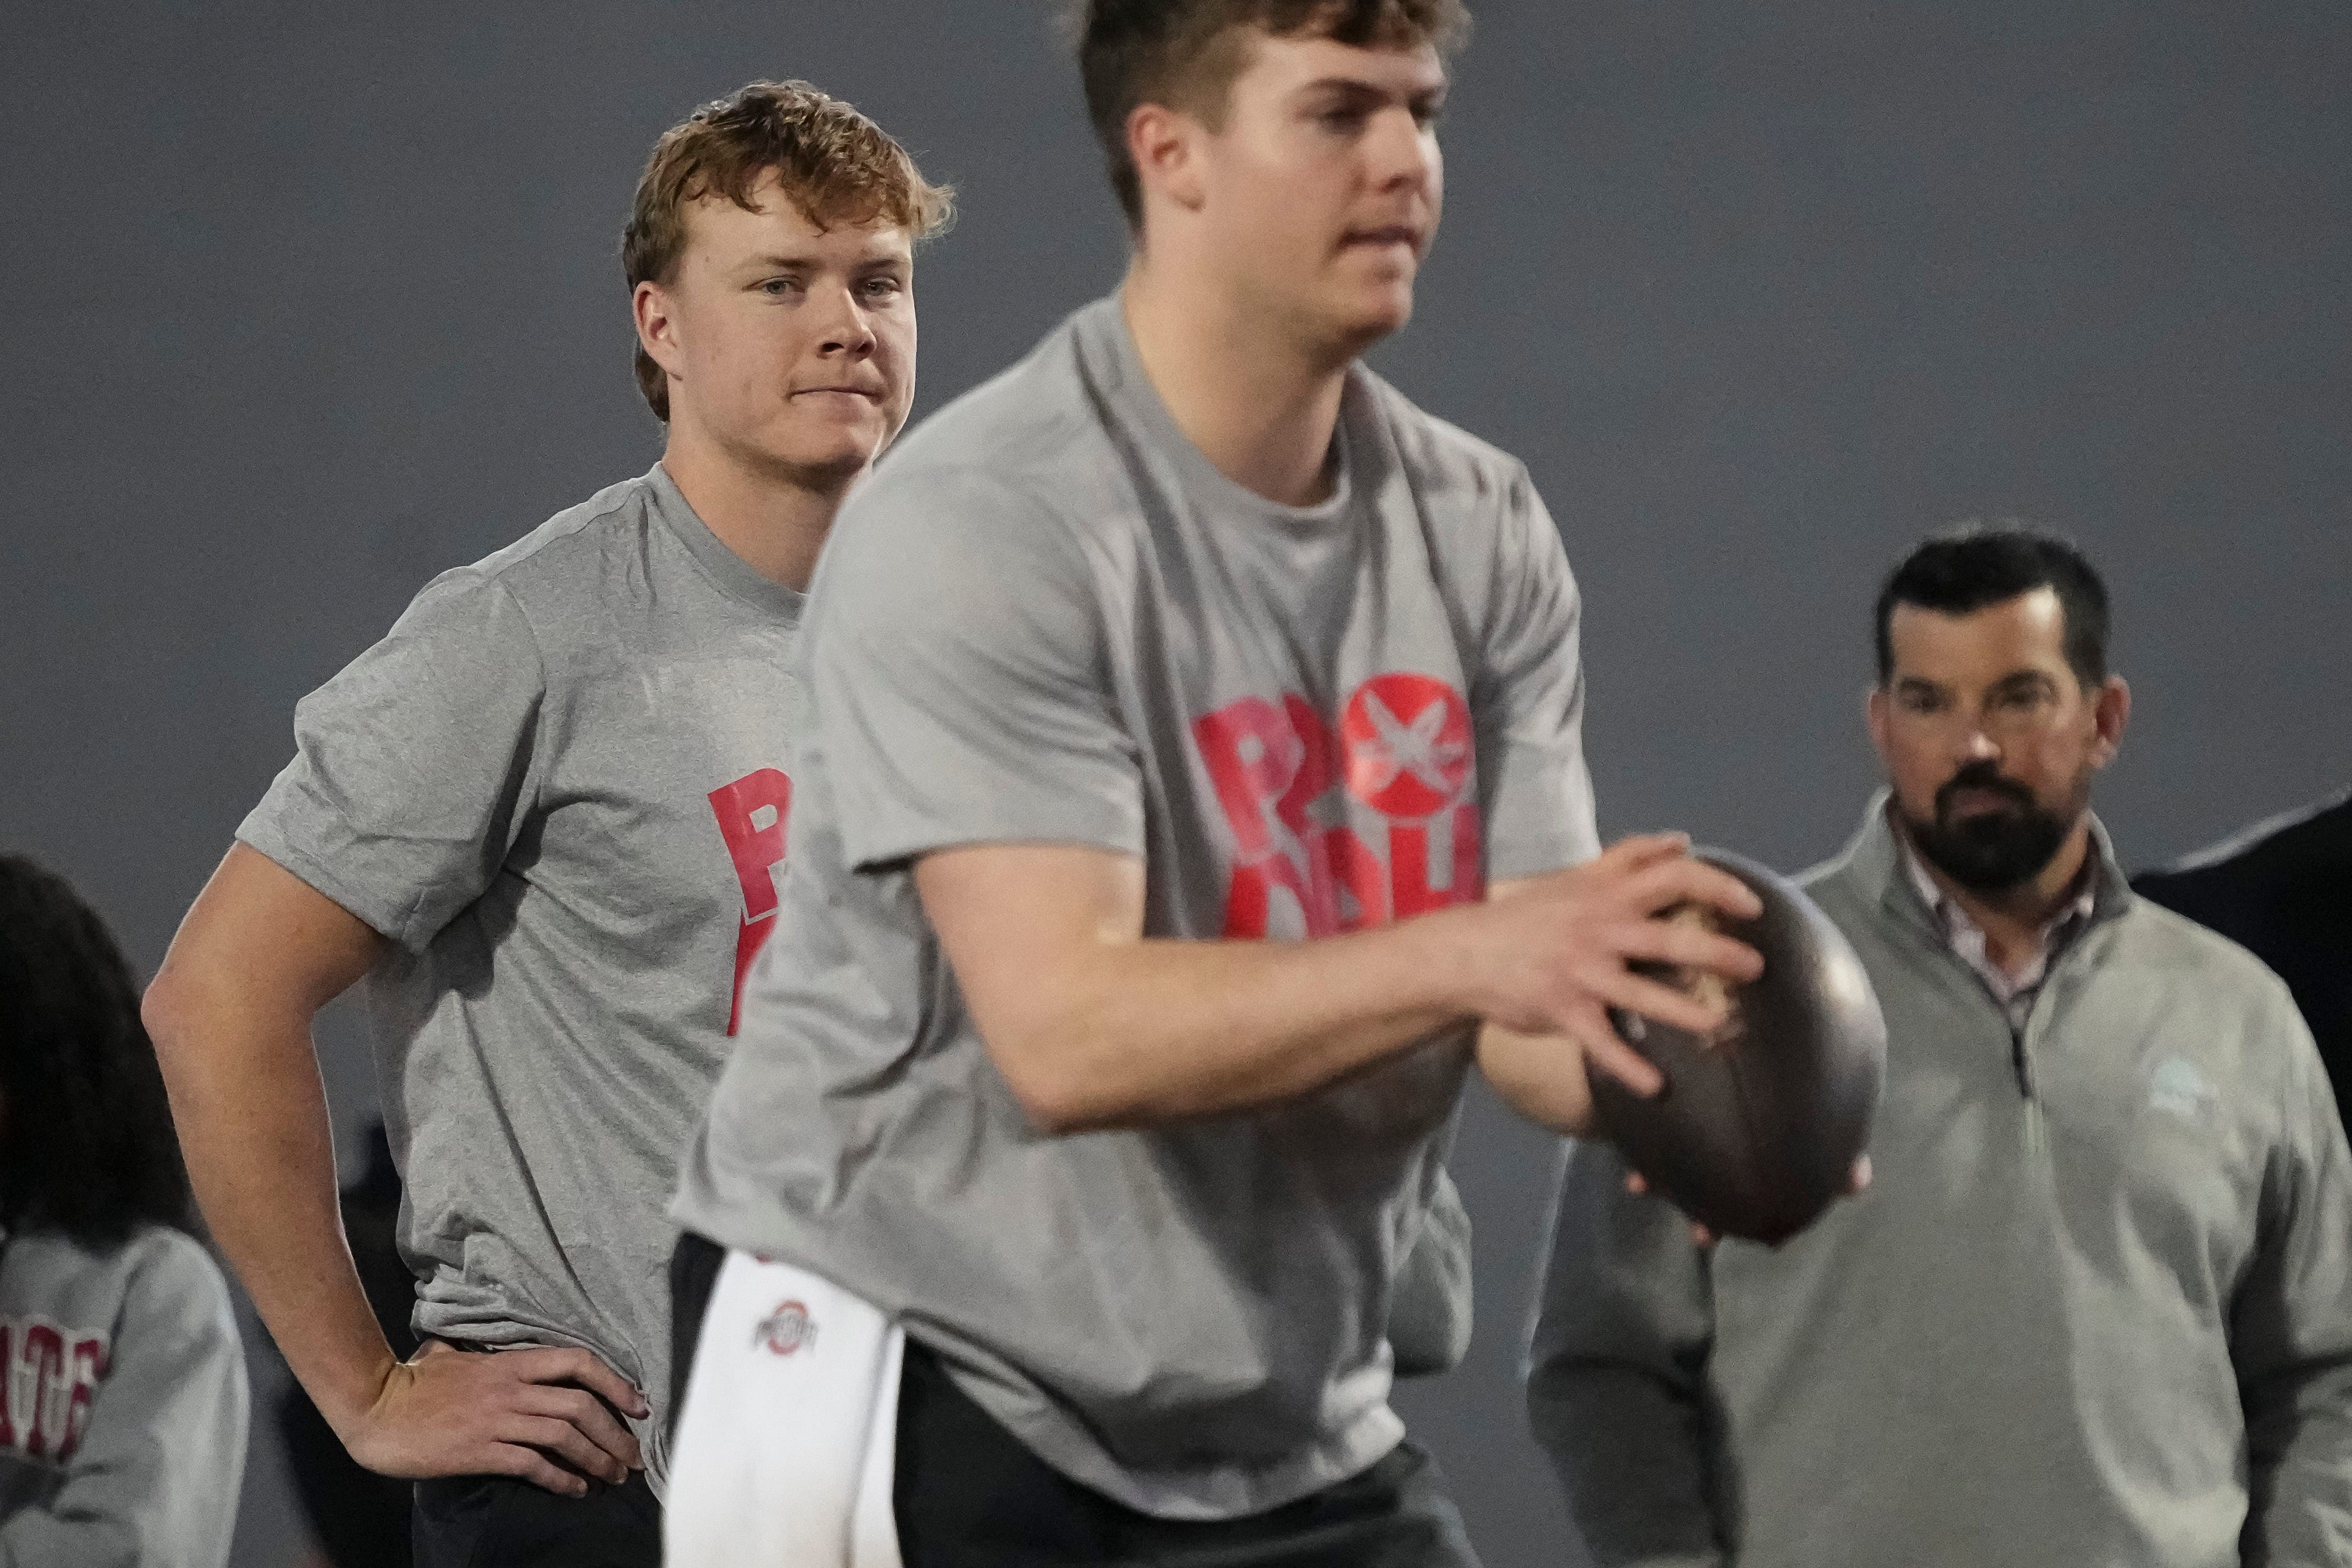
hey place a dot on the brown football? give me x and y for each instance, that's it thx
(1758, 1125)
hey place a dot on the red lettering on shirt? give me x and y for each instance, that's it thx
(751, 814)
(1268, 765)
(1402, 746)
(1466, 881)
(86, 1363)
(48, 1374)
(1253, 752)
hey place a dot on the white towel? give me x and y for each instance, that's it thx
(787, 1442)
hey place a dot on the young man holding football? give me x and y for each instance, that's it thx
(1084, 1199)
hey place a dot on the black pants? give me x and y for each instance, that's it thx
(497, 1521)
(968, 1494)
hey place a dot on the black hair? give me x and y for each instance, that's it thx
(86, 1146)
(1974, 564)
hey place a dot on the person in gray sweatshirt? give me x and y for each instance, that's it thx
(122, 1392)
(2095, 1310)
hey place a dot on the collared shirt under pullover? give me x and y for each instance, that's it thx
(2015, 991)
(2094, 1312)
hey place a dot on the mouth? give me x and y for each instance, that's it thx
(864, 394)
(1381, 238)
(1977, 803)
(1976, 799)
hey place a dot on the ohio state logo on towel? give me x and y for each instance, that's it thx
(787, 1329)
(1402, 750)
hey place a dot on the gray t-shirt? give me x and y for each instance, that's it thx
(1048, 618)
(557, 786)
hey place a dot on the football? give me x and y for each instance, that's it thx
(1758, 1125)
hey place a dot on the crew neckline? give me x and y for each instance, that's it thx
(735, 576)
(1106, 338)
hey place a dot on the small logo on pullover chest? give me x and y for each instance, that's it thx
(2181, 1090)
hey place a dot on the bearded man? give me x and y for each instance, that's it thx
(2095, 1308)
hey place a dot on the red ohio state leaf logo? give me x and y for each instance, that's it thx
(1408, 744)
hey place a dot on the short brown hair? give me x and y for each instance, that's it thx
(836, 165)
(1184, 54)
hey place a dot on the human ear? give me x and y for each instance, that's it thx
(1163, 144)
(2111, 711)
(657, 327)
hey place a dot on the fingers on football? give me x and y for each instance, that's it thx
(1691, 947)
(1644, 849)
(1639, 1185)
(1659, 1002)
(1683, 880)
(581, 1367)
(1606, 1050)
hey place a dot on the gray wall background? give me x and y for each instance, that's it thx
(307, 303)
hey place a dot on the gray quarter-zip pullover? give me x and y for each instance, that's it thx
(2093, 1312)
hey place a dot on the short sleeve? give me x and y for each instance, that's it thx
(960, 677)
(414, 767)
(1527, 700)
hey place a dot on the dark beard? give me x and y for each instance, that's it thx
(1993, 851)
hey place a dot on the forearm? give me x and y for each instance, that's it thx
(254, 1130)
(1093, 1024)
(1148, 1031)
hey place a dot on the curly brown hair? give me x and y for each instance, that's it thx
(836, 165)
(1186, 53)
(86, 1146)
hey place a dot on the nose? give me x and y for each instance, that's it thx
(1404, 152)
(848, 329)
(1977, 745)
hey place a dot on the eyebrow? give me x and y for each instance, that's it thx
(1357, 87)
(782, 262)
(1920, 685)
